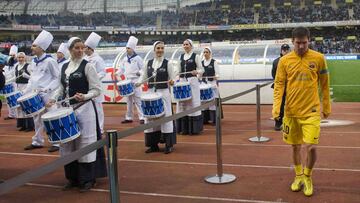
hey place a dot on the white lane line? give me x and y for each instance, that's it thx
(191, 163)
(160, 194)
(247, 145)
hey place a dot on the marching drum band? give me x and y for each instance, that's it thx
(63, 97)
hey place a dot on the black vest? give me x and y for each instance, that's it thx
(161, 74)
(77, 82)
(187, 65)
(209, 70)
(21, 79)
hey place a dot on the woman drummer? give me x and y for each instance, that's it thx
(189, 69)
(210, 76)
(22, 74)
(79, 80)
(160, 84)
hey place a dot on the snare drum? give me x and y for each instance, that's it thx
(125, 87)
(12, 99)
(32, 104)
(61, 125)
(8, 88)
(206, 92)
(182, 91)
(152, 105)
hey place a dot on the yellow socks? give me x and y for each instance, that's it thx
(307, 171)
(298, 181)
(308, 186)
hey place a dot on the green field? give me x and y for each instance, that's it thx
(345, 80)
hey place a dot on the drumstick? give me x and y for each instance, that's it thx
(183, 73)
(66, 99)
(162, 82)
(209, 77)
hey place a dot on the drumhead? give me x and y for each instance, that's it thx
(27, 96)
(150, 96)
(123, 82)
(58, 113)
(204, 86)
(183, 83)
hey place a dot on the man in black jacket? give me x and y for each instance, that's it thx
(2, 82)
(285, 49)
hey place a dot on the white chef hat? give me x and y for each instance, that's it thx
(191, 42)
(71, 41)
(63, 49)
(93, 40)
(43, 40)
(13, 50)
(132, 42)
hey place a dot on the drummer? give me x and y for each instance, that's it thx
(9, 71)
(79, 81)
(61, 55)
(210, 76)
(94, 58)
(44, 79)
(22, 74)
(160, 84)
(190, 67)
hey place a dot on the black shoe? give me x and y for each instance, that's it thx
(22, 129)
(31, 147)
(53, 149)
(86, 187)
(152, 149)
(69, 186)
(8, 118)
(142, 121)
(126, 121)
(168, 150)
(278, 125)
(29, 130)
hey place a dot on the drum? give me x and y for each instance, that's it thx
(152, 105)
(32, 104)
(182, 91)
(206, 92)
(125, 88)
(12, 99)
(8, 88)
(61, 125)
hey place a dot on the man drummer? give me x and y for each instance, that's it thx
(94, 58)
(131, 67)
(210, 76)
(44, 79)
(159, 85)
(61, 55)
(189, 68)
(9, 74)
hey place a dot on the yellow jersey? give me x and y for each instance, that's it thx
(301, 77)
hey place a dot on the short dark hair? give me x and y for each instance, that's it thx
(300, 32)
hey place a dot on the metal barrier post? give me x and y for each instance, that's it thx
(112, 165)
(258, 137)
(220, 177)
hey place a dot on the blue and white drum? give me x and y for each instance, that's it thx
(152, 105)
(206, 92)
(12, 99)
(125, 88)
(32, 104)
(61, 125)
(182, 91)
(8, 88)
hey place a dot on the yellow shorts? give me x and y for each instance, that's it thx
(301, 130)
